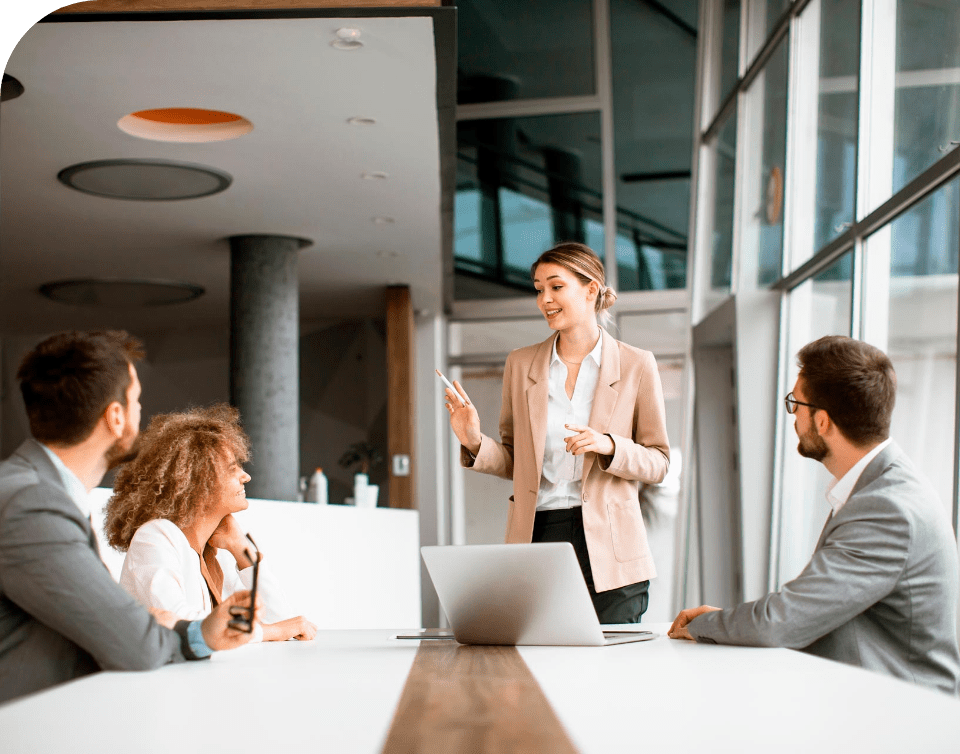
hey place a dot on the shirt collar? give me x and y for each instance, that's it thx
(594, 354)
(75, 488)
(838, 491)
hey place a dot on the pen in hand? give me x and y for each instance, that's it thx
(449, 385)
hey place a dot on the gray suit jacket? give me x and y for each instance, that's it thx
(61, 613)
(880, 591)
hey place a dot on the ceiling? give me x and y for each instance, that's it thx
(297, 173)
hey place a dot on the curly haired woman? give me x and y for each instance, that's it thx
(172, 510)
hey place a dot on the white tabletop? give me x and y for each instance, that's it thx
(339, 693)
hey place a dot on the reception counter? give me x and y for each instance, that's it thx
(365, 691)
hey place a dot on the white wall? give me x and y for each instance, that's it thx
(340, 566)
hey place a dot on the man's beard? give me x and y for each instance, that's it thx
(124, 450)
(812, 445)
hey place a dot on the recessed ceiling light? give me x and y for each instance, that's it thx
(358, 121)
(347, 39)
(144, 180)
(185, 124)
(374, 175)
(117, 293)
(383, 220)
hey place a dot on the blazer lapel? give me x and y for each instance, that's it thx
(538, 395)
(605, 397)
(874, 469)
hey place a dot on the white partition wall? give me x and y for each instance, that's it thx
(340, 566)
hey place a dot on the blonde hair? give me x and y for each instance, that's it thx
(177, 471)
(583, 262)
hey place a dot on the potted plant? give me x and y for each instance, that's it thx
(362, 456)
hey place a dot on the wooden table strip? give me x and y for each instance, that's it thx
(473, 698)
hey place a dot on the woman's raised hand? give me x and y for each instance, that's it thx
(464, 419)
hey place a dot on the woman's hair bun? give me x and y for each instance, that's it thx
(608, 297)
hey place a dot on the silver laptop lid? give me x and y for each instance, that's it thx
(514, 594)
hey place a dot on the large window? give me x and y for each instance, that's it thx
(575, 123)
(764, 193)
(918, 252)
(522, 185)
(820, 306)
(538, 48)
(724, 153)
(838, 58)
(829, 203)
(927, 82)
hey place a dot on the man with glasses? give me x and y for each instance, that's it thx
(61, 613)
(881, 589)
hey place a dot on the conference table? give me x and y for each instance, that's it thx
(367, 691)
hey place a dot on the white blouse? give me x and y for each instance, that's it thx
(561, 480)
(162, 570)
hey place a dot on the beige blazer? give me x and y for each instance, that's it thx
(628, 406)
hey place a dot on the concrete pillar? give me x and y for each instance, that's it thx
(265, 358)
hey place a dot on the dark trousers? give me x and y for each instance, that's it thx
(623, 605)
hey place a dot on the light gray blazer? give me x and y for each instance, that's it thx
(61, 613)
(880, 591)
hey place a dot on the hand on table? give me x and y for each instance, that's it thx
(464, 419)
(216, 630)
(679, 628)
(588, 440)
(298, 628)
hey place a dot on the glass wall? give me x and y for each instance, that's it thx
(766, 127)
(540, 87)
(533, 49)
(838, 58)
(820, 306)
(522, 185)
(927, 84)
(843, 193)
(921, 327)
(724, 154)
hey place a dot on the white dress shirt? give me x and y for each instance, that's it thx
(162, 570)
(838, 491)
(561, 480)
(76, 489)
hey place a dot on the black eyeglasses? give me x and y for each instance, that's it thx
(791, 404)
(243, 617)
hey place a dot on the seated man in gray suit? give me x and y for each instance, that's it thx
(881, 588)
(61, 613)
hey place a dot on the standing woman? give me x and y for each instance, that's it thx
(581, 427)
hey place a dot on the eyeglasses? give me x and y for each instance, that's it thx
(242, 616)
(791, 404)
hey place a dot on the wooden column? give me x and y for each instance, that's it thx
(400, 394)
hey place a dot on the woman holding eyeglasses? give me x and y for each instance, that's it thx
(582, 425)
(172, 512)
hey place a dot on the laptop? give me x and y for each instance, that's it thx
(517, 595)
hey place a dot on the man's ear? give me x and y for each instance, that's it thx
(822, 421)
(115, 417)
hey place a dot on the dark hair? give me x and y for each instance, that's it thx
(177, 472)
(853, 382)
(583, 262)
(69, 379)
